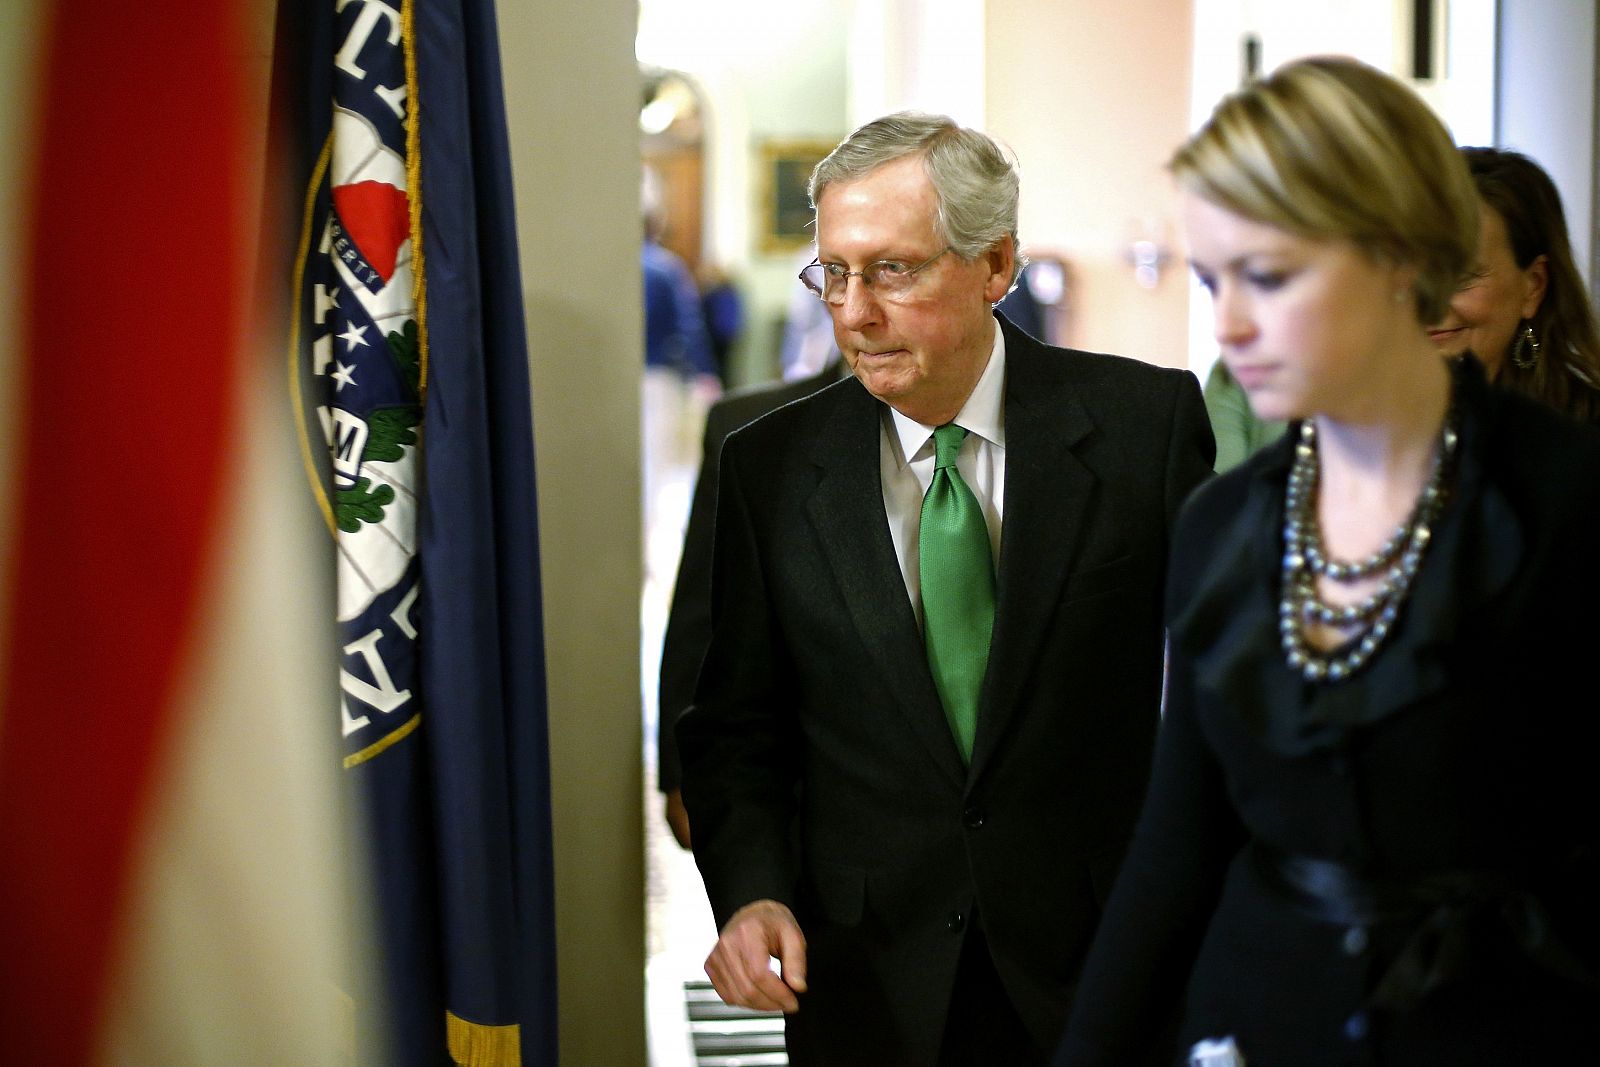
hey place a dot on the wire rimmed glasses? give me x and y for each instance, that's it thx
(890, 279)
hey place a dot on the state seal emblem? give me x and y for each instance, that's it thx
(358, 365)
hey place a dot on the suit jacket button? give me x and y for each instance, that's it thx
(956, 922)
(972, 818)
(1355, 941)
(1355, 1027)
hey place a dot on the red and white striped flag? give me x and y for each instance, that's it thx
(170, 884)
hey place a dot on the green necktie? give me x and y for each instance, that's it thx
(957, 588)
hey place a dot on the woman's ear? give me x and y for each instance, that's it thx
(1403, 277)
(1537, 277)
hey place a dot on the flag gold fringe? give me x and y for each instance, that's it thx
(419, 275)
(479, 1045)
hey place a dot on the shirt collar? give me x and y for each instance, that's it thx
(983, 414)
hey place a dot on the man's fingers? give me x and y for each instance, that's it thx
(792, 957)
(768, 993)
(749, 983)
(740, 966)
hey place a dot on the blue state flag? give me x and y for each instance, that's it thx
(409, 367)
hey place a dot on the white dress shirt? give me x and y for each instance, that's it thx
(981, 461)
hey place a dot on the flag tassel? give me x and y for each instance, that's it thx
(481, 1045)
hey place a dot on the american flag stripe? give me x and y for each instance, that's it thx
(129, 349)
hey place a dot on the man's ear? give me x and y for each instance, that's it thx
(1000, 259)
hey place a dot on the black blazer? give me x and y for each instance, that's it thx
(1466, 745)
(689, 620)
(818, 766)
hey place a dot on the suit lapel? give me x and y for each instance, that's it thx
(1048, 493)
(847, 513)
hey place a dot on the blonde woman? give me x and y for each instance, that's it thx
(1371, 833)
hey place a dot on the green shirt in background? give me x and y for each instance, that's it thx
(1237, 430)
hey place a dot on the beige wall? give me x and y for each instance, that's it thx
(1094, 96)
(572, 100)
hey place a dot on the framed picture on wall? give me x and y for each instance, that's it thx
(785, 168)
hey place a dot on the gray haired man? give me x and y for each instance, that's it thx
(924, 725)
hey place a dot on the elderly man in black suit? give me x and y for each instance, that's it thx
(923, 726)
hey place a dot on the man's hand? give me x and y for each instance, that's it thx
(678, 817)
(739, 966)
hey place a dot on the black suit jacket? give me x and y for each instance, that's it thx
(689, 620)
(818, 766)
(1465, 745)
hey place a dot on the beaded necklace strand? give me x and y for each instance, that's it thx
(1396, 560)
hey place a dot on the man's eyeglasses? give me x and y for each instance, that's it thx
(889, 279)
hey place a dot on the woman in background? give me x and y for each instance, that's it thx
(1524, 311)
(1370, 835)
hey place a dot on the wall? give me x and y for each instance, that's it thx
(572, 99)
(1093, 97)
(1548, 103)
(926, 55)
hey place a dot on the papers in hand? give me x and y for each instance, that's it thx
(1216, 1052)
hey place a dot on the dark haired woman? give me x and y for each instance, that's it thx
(1524, 311)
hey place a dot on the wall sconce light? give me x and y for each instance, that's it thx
(1147, 253)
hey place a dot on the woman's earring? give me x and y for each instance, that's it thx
(1525, 353)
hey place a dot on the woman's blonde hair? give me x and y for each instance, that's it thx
(1332, 149)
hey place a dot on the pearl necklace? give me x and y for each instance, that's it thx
(1396, 560)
